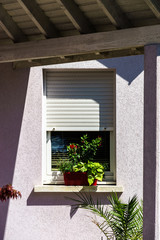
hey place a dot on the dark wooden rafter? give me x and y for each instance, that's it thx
(114, 13)
(76, 16)
(36, 14)
(10, 27)
(154, 5)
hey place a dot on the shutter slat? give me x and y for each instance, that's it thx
(76, 101)
(70, 84)
(80, 89)
(82, 124)
(71, 94)
(67, 118)
(82, 98)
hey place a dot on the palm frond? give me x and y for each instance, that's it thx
(105, 229)
(124, 223)
(124, 219)
(86, 202)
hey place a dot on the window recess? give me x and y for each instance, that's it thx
(78, 102)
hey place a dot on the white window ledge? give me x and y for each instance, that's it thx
(63, 188)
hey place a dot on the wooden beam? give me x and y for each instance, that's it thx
(36, 14)
(154, 5)
(76, 16)
(81, 44)
(77, 58)
(10, 27)
(114, 13)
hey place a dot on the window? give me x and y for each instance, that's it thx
(78, 102)
(59, 141)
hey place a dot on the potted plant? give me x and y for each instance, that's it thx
(70, 176)
(80, 169)
(94, 171)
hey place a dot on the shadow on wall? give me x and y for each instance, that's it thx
(127, 68)
(13, 89)
(58, 199)
(63, 199)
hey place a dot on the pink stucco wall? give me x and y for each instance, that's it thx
(46, 216)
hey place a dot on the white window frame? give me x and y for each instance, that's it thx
(56, 177)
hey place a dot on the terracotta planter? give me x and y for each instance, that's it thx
(95, 182)
(77, 179)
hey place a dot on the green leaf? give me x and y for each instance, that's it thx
(98, 178)
(99, 170)
(125, 220)
(90, 179)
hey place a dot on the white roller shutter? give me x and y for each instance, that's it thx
(79, 100)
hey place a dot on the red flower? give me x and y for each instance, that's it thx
(73, 146)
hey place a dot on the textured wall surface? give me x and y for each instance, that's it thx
(46, 216)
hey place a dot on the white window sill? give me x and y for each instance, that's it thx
(63, 188)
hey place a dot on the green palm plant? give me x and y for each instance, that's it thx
(124, 221)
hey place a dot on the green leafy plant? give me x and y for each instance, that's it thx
(106, 166)
(85, 151)
(65, 166)
(124, 221)
(80, 167)
(74, 153)
(94, 170)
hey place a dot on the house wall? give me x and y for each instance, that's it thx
(47, 216)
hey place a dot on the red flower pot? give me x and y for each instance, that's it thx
(77, 179)
(95, 182)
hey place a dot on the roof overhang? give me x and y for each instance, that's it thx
(41, 32)
(83, 47)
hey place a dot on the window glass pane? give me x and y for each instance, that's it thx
(60, 140)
